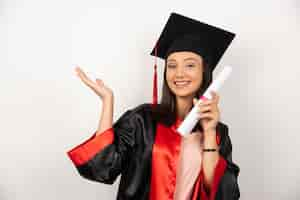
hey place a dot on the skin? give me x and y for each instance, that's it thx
(188, 66)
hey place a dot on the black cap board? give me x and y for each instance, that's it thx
(186, 34)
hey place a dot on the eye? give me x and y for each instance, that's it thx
(190, 65)
(171, 66)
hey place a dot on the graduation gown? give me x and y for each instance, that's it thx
(145, 153)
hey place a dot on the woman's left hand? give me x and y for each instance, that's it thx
(209, 113)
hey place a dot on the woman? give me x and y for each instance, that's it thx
(154, 161)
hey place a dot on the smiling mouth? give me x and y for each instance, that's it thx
(181, 84)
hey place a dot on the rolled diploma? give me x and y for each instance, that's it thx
(191, 119)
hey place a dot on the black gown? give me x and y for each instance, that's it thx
(145, 153)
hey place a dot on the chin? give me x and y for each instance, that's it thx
(183, 94)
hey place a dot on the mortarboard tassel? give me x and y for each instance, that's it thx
(154, 100)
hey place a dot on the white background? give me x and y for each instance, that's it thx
(45, 110)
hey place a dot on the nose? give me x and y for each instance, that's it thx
(179, 72)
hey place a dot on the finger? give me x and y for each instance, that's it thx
(99, 82)
(206, 102)
(211, 103)
(80, 72)
(195, 101)
(215, 96)
(77, 70)
(85, 78)
(91, 76)
(203, 109)
(208, 115)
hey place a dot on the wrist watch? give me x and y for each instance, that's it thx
(208, 150)
(211, 149)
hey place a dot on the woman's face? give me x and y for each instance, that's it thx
(184, 73)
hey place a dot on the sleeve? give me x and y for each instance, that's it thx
(225, 184)
(218, 174)
(189, 166)
(102, 157)
(199, 189)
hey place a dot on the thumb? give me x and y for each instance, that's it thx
(194, 101)
(99, 82)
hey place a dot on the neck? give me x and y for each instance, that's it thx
(183, 106)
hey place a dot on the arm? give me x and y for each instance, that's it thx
(106, 118)
(210, 159)
(101, 157)
(223, 183)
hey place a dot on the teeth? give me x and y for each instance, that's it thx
(181, 83)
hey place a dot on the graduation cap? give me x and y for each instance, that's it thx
(182, 33)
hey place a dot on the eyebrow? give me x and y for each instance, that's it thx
(184, 59)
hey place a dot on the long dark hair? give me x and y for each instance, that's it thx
(165, 111)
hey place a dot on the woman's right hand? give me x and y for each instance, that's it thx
(98, 87)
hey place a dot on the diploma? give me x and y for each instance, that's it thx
(191, 119)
